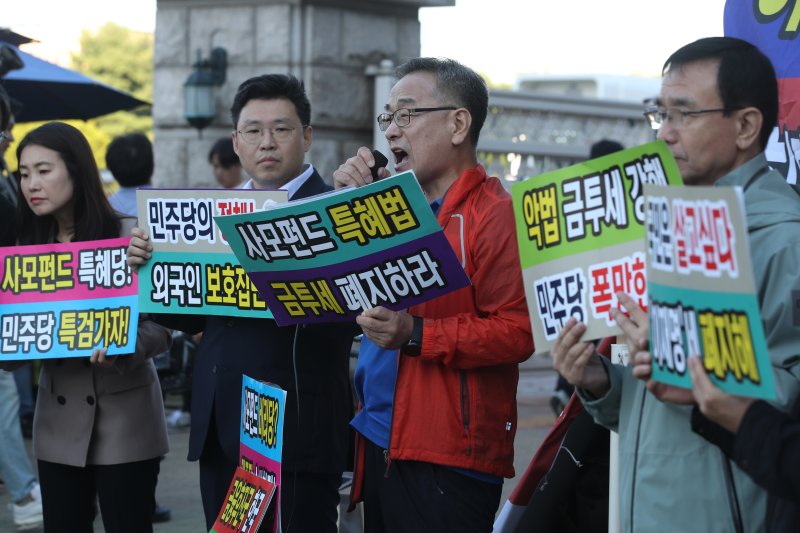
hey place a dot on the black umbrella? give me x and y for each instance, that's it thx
(49, 92)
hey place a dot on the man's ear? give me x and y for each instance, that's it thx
(462, 121)
(308, 135)
(235, 141)
(748, 124)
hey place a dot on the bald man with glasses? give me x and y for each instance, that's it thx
(716, 109)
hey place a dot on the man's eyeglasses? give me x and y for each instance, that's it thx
(253, 135)
(657, 116)
(5, 136)
(402, 117)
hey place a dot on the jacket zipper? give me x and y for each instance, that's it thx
(388, 462)
(465, 412)
(386, 457)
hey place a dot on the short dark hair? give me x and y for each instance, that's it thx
(746, 76)
(129, 158)
(92, 214)
(223, 149)
(457, 84)
(272, 87)
(604, 147)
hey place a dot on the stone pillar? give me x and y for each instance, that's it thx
(327, 43)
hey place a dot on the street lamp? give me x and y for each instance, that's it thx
(199, 102)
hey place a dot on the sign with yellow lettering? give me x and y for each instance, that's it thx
(580, 232)
(245, 505)
(261, 434)
(702, 295)
(67, 300)
(329, 257)
(193, 270)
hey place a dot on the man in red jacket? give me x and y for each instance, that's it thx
(438, 383)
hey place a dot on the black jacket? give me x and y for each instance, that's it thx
(767, 448)
(318, 441)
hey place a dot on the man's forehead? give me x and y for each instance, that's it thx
(415, 89)
(397, 103)
(690, 83)
(261, 111)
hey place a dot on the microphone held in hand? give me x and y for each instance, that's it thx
(380, 162)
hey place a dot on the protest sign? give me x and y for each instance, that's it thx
(67, 300)
(192, 269)
(261, 434)
(702, 294)
(581, 238)
(774, 27)
(245, 505)
(329, 257)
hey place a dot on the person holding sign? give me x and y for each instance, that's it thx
(438, 383)
(271, 118)
(99, 427)
(764, 442)
(716, 109)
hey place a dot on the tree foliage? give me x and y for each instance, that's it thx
(121, 58)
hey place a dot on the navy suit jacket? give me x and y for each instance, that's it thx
(319, 441)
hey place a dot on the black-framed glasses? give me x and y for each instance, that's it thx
(657, 116)
(402, 117)
(253, 134)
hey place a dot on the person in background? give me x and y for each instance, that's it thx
(15, 466)
(129, 158)
(9, 190)
(715, 111)
(225, 163)
(763, 441)
(437, 384)
(99, 427)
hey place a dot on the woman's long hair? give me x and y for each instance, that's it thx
(93, 217)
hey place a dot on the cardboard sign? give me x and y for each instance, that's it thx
(192, 269)
(261, 434)
(67, 300)
(330, 257)
(246, 504)
(580, 233)
(702, 294)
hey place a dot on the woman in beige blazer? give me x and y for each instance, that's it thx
(99, 426)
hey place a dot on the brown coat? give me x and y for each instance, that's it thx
(88, 414)
(92, 415)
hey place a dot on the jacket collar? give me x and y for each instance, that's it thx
(469, 180)
(741, 175)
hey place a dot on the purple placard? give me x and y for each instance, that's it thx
(399, 278)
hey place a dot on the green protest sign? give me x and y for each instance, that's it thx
(580, 234)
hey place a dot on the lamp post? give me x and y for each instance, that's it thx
(199, 97)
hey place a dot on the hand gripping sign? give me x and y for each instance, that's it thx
(702, 295)
(329, 257)
(192, 269)
(580, 232)
(67, 300)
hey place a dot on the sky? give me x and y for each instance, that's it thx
(501, 39)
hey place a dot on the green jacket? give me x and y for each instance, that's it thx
(670, 478)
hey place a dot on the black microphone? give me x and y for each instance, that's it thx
(380, 162)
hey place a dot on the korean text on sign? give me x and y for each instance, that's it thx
(67, 300)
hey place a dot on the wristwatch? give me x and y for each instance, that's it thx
(414, 345)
